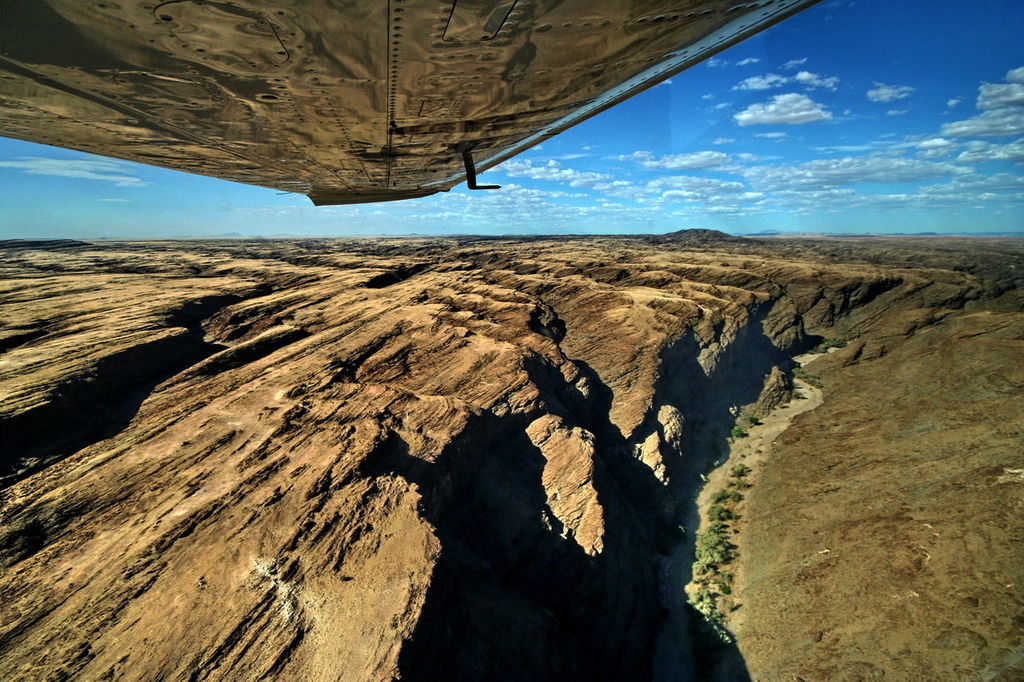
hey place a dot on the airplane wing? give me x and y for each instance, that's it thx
(347, 101)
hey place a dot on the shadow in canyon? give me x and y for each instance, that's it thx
(508, 591)
(86, 409)
(515, 598)
(708, 400)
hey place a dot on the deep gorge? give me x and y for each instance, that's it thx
(446, 459)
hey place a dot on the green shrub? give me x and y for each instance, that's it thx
(713, 546)
(812, 379)
(739, 471)
(826, 344)
(723, 496)
(702, 568)
(706, 603)
(713, 550)
(737, 432)
(719, 513)
(754, 421)
(703, 598)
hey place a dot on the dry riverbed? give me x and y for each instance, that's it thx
(716, 587)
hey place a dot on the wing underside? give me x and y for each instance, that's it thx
(346, 101)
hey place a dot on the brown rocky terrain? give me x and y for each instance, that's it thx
(469, 459)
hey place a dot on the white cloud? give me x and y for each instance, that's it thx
(825, 173)
(532, 193)
(748, 61)
(813, 80)
(705, 190)
(716, 62)
(722, 140)
(897, 112)
(936, 147)
(794, 63)
(847, 148)
(743, 196)
(791, 108)
(696, 183)
(935, 143)
(614, 184)
(513, 208)
(994, 123)
(1002, 114)
(1000, 182)
(622, 188)
(817, 195)
(772, 136)
(116, 172)
(553, 171)
(774, 80)
(691, 161)
(954, 102)
(708, 96)
(889, 93)
(979, 151)
(680, 195)
(765, 82)
(722, 105)
(999, 95)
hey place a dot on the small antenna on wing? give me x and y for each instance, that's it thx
(467, 158)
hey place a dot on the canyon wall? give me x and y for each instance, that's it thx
(478, 458)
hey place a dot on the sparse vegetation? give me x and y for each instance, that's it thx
(739, 471)
(725, 496)
(827, 344)
(724, 582)
(714, 552)
(713, 547)
(718, 512)
(804, 375)
(754, 421)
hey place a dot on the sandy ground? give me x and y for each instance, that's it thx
(753, 451)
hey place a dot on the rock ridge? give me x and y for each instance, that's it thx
(425, 459)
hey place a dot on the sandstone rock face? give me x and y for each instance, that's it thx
(468, 459)
(568, 480)
(778, 388)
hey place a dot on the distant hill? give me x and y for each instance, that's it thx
(697, 237)
(880, 235)
(47, 244)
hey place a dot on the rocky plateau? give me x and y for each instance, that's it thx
(480, 459)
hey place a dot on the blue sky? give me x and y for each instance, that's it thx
(853, 116)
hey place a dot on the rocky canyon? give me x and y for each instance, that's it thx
(481, 458)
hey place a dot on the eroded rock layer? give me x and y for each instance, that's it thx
(470, 459)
